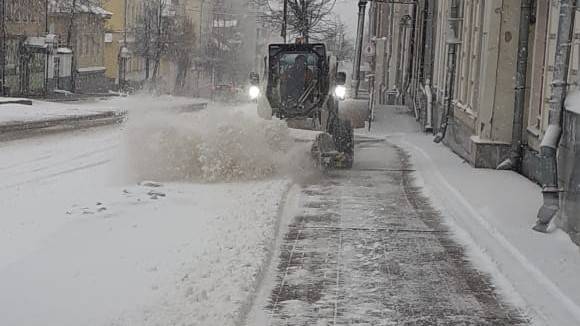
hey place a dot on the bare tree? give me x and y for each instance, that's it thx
(181, 48)
(152, 34)
(160, 34)
(309, 19)
(145, 32)
(337, 42)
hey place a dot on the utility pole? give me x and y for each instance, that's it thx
(48, 48)
(46, 16)
(71, 44)
(122, 60)
(3, 48)
(362, 4)
(285, 23)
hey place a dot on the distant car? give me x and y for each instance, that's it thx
(225, 93)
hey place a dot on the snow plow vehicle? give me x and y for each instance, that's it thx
(302, 86)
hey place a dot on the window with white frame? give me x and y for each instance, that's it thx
(469, 55)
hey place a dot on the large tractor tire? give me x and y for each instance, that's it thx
(343, 136)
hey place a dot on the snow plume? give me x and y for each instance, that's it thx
(218, 144)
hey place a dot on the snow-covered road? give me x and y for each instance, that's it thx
(83, 241)
(82, 245)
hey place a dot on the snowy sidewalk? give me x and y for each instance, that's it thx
(492, 213)
(16, 116)
(365, 247)
(24, 117)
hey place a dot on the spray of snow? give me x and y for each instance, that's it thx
(219, 144)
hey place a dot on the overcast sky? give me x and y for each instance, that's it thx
(348, 11)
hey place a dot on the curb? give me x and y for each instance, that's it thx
(19, 129)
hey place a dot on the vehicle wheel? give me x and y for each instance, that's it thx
(344, 141)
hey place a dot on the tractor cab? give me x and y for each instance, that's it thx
(302, 85)
(297, 83)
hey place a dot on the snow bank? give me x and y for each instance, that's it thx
(41, 111)
(214, 145)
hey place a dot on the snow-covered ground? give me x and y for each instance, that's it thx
(11, 113)
(40, 111)
(492, 213)
(82, 242)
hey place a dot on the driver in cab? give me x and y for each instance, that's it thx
(296, 79)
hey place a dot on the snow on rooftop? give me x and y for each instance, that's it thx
(64, 51)
(65, 6)
(91, 69)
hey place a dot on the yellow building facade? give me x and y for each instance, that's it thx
(119, 29)
(123, 27)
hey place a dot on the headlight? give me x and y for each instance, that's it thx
(340, 92)
(254, 92)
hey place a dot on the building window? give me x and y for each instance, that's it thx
(87, 45)
(469, 56)
(80, 45)
(17, 13)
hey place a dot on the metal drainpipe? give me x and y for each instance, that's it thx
(417, 88)
(400, 53)
(405, 50)
(391, 22)
(514, 161)
(428, 64)
(450, 79)
(449, 90)
(411, 59)
(416, 66)
(549, 146)
(362, 4)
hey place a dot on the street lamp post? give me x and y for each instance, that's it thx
(362, 4)
(285, 22)
(3, 48)
(123, 52)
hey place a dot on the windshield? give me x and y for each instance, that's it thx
(296, 81)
